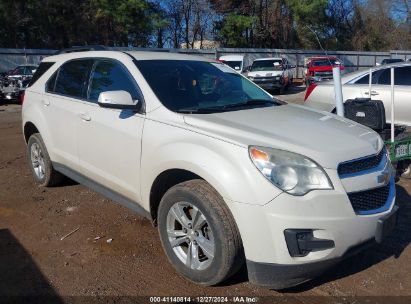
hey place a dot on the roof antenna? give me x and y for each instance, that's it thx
(319, 43)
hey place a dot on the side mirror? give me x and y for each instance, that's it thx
(117, 100)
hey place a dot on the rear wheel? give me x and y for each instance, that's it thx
(40, 163)
(198, 233)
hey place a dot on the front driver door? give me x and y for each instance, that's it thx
(109, 140)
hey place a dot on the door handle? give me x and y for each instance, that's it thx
(85, 117)
(373, 93)
(46, 103)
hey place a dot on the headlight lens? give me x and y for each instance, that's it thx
(291, 172)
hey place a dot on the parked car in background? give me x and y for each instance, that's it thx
(390, 60)
(229, 174)
(321, 95)
(15, 82)
(272, 74)
(235, 62)
(321, 68)
(22, 71)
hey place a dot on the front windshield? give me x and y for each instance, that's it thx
(236, 65)
(182, 85)
(266, 65)
(325, 62)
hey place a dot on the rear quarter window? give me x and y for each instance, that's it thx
(41, 69)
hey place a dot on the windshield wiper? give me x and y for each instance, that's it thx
(198, 111)
(251, 103)
(223, 108)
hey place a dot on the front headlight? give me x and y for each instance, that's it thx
(291, 172)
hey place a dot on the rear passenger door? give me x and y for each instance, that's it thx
(62, 102)
(109, 140)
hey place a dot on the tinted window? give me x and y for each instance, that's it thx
(41, 69)
(385, 77)
(403, 75)
(51, 83)
(366, 79)
(109, 75)
(72, 78)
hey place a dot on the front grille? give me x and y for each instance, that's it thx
(369, 199)
(264, 79)
(362, 164)
(323, 74)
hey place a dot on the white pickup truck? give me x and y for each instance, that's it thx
(271, 74)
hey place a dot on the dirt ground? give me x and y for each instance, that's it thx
(35, 261)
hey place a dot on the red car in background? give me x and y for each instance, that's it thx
(320, 68)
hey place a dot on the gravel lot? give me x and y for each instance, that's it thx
(34, 261)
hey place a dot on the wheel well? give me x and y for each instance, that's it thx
(29, 129)
(165, 181)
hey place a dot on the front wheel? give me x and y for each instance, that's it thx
(199, 234)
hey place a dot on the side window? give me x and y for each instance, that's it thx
(72, 78)
(41, 69)
(366, 79)
(51, 83)
(402, 75)
(385, 77)
(109, 75)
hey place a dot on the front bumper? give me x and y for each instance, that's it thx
(268, 84)
(329, 214)
(280, 276)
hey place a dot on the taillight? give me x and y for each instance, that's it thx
(310, 89)
(22, 98)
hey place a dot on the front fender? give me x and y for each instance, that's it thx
(223, 165)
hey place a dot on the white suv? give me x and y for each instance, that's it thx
(227, 173)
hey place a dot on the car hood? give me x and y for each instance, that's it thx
(264, 73)
(325, 68)
(321, 136)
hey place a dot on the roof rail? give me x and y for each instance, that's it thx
(84, 48)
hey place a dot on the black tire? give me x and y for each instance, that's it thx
(50, 177)
(228, 251)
